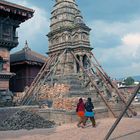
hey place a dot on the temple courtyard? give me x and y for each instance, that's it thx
(127, 129)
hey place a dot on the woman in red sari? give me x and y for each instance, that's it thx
(80, 112)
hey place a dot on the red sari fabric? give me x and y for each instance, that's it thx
(81, 113)
(80, 109)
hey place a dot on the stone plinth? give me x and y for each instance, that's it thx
(59, 116)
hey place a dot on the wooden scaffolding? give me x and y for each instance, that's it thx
(95, 70)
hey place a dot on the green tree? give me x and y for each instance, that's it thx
(129, 81)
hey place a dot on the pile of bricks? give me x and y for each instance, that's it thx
(18, 97)
(65, 103)
(57, 94)
(51, 92)
(25, 120)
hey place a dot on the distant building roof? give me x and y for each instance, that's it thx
(26, 55)
(127, 86)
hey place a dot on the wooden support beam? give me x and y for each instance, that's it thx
(37, 78)
(93, 83)
(109, 83)
(35, 87)
(48, 74)
(122, 113)
(34, 94)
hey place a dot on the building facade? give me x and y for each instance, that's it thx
(11, 16)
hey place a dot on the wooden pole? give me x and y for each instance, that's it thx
(37, 78)
(94, 84)
(106, 78)
(122, 113)
(44, 79)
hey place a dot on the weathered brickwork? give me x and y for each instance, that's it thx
(4, 85)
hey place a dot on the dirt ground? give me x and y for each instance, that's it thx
(128, 129)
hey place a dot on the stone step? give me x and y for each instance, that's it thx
(79, 93)
(77, 88)
(66, 81)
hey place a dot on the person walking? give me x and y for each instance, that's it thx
(89, 112)
(80, 109)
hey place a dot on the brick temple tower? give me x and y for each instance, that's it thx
(67, 29)
(11, 16)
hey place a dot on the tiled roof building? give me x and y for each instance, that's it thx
(25, 64)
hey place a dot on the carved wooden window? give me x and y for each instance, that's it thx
(6, 32)
(1, 63)
(6, 29)
(14, 32)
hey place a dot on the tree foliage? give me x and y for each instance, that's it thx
(129, 81)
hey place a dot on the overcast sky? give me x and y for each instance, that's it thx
(115, 34)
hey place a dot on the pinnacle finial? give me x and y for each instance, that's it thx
(26, 44)
(26, 47)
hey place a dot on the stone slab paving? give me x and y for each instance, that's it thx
(128, 129)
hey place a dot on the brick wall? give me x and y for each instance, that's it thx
(4, 85)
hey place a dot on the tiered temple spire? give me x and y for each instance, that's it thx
(67, 27)
(63, 14)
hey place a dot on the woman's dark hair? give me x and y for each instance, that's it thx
(80, 100)
(89, 99)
